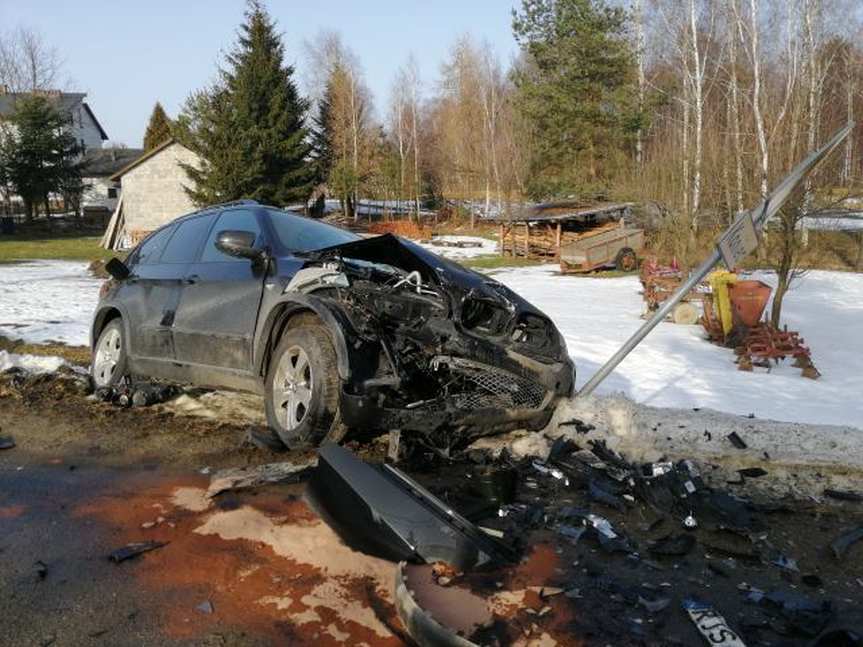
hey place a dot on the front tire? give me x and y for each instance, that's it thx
(108, 366)
(302, 388)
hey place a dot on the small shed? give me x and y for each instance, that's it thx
(540, 230)
(152, 192)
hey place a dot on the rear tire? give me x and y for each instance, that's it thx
(108, 365)
(626, 260)
(303, 387)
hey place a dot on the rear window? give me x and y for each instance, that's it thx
(185, 243)
(301, 234)
(151, 249)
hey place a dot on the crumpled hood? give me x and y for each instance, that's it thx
(410, 257)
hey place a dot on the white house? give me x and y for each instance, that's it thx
(152, 192)
(82, 122)
(101, 192)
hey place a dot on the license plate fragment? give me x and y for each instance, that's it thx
(712, 625)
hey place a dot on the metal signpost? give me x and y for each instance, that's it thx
(735, 244)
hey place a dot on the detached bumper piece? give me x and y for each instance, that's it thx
(384, 512)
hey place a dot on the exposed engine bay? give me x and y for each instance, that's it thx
(434, 346)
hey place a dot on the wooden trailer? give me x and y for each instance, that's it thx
(618, 248)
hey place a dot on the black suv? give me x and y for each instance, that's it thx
(336, 331)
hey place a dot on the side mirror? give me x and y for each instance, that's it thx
(117, 269)
(238, 244)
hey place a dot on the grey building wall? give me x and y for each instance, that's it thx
(153, 192)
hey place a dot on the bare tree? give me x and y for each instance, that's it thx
(28, 62)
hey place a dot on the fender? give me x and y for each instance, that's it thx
(99, 323)
(333, 319)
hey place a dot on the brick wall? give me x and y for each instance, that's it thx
(153, 191)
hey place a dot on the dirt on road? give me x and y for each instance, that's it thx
(259, 567)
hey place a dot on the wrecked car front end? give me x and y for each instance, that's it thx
(427, 345)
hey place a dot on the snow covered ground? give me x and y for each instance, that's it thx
(485, 247)
(44, 301)
(673, 367)
(30, 363)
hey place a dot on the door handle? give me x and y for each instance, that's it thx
(191, 280)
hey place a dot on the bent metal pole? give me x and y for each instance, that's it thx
(760, 215)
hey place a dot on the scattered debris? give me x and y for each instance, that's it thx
(711, 624)
(737, 441)
(266, 439)
(205, 607)
(7, 442)
(41, 569)
(134, 549)
(844, 495)
(752, 472)
(385, 512)
(236, 478)
(673, 545)
(841, 545)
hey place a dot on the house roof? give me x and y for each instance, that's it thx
(64, 102)
(102, 162)
(143, 158)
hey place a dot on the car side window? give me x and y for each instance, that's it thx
(237, 220)
(186, 241)
(151, 249)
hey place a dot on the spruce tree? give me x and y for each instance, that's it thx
(40, 155)
(158, 129)
(575, 87)
(249, 127)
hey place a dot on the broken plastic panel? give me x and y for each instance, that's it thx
(386, 513)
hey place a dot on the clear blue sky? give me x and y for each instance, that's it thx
(126, 55)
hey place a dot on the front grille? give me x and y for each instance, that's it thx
(482, 387)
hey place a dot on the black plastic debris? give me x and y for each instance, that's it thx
(841, 545)
(604, 497)
(672, 545)
(580, 426)
(41, 569)
(653, 605)
(812, 580)
(752, 472)
(786, 563)
(524, 515)
(844, 495)
(802, 614)
(736, 440)
(266, 439)
(134, 549)
(386, 513)
(711, 625)
(561, 448)
(7, 442)
(610, 539)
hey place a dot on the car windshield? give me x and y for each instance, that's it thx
(300, 234)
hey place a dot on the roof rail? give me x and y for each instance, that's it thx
(220, 205)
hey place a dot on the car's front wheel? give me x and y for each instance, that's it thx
(108, 366)
(302, 388)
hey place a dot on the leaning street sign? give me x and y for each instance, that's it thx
(739, 241)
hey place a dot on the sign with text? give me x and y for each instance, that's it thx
(739, 241)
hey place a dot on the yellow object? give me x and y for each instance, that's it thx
(719, 282)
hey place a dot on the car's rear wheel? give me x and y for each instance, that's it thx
(302, 388)
(108, 366)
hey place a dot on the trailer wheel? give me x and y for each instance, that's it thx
(626, 260)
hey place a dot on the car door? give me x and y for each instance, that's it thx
(151, 290)
(162, 284)
(218, 311)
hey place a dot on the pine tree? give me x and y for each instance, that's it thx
(576, 88)
(248, 127)
(158, 129)
(322, 137)
(40, 155)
